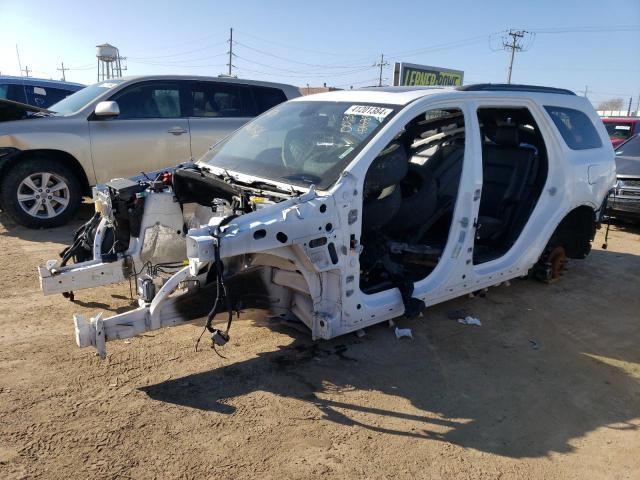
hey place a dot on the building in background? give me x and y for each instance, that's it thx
(311, 90)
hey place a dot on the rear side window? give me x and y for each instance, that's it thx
(33, 95)
(47, 96)
(218, 99)
(575, 127)
(267, 98)
(17, 93)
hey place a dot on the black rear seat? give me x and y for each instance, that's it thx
(507, 178)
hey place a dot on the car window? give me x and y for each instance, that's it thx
(149, 100)
(218, 99)
(267, 97)
(301, 142)
(630, 148)
(618, 129)
(4, 91)
(16, 93)
(84, 96)
(36, 96)
(575, 127)
(47, 96)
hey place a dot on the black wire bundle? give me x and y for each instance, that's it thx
(82, 240)
(221, 292)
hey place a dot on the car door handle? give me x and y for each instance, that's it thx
(177, 130)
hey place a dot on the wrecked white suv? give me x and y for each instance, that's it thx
(346, 209)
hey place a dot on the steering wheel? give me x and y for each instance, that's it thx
(318, 156)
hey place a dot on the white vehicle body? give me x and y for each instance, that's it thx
(308, 249)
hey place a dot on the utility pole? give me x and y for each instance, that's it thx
(381, 64)
(62, 69)
(26, 71)
(515, 44)
(230, 52)
(586, 90)
(638, 106)
(629, 109)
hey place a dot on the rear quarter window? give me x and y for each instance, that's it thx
(267, 97)
(575, 127)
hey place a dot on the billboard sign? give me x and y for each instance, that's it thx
(411, 74)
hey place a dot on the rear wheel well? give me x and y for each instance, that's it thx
(57, 155)
(575, 232)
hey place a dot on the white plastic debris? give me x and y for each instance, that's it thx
(470, 321)
(403, 333)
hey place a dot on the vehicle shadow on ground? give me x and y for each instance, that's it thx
(63, 234)
(626, 226)
(106, 306)
(490, 388)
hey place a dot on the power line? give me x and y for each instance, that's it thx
(587, 29)
(180, 65)
(180, 53)
(177, 63)
(295, 47)
(294, 61)
(443, 46)
(302, 72)
(316, 74)
(370, 81)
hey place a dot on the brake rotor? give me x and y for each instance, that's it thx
(557, 261)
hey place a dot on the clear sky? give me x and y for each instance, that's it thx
(336, 42)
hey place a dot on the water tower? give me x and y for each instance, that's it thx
(109, 62)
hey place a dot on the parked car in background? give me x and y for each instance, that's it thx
(620, 129)
(118, 128)
(36, 91)
(626, 202)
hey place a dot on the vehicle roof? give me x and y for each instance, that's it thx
(621, 119)
(407, 94)
(209, 79)
(43, 82)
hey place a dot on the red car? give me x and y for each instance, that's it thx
(620, 129)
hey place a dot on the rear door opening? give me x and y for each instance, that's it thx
(514, 171)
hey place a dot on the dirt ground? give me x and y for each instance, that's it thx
(547, 387)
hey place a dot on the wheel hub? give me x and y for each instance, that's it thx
(557, 261)
(43, 194)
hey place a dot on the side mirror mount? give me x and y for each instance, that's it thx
(107, 109)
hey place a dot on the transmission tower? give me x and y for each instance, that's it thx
(516, 41)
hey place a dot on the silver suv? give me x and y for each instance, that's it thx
(119, 128)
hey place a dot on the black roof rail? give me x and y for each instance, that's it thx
(507, 87)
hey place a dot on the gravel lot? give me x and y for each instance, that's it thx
(547, 387)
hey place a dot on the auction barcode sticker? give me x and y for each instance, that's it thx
(379, 113)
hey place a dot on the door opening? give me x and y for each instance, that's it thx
(514, 171)
(410, 192)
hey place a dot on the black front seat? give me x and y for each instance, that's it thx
(507, 169)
